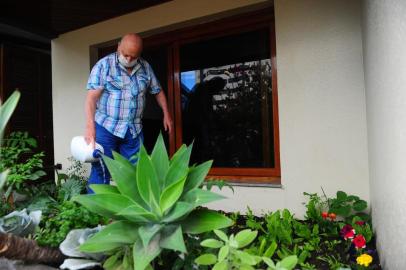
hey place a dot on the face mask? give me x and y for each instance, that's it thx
(125, 63)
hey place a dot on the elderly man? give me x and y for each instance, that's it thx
(115, 101)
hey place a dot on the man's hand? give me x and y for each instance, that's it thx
(90, 136)
(168, 123)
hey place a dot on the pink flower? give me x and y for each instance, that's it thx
(347, 232)
(361, 223)
(359, 241)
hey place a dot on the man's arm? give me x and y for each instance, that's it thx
(90, 109)
(167, 121)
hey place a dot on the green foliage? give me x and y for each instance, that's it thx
(252, 221)
(287, 263)
(279, 227)
(332, 261)
(344, 206)
(364, 229)
(64, 218)
(314, 207)
(230, 254)
(185, 261)
(348, 206)
(69, 189)
(157, 199)
(23, 164)
(220, 184)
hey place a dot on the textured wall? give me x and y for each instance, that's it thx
(384, 41)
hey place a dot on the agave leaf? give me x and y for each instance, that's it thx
(173, 239)
(201, 221)
(108, 205)
(146, 233)
(144, 256)
(7, 109)
(147, 179)
(112, 236)
(171, 194)
(179, 166)
(197, 175)
(160, 160)
(136, 213)
(3, 178)
(104, 189)
(178, 211)
(200, 196)
(178, 153)
(124, 175)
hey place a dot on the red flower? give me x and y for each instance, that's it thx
(359, 241)
(361, 223)
(324, 215)
(332, 216)
(347, 232)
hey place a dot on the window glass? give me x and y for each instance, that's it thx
(226, 100)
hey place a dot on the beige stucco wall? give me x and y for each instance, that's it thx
(321, 93)
(384, 27)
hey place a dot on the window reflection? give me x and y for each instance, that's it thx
(226, 111)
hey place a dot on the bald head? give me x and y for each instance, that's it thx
(130, 46)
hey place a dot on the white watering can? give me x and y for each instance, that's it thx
(84, 152)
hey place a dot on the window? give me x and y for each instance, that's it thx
(220, 80)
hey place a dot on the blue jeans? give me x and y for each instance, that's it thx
(127, 147)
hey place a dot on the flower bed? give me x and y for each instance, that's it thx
(153, 219)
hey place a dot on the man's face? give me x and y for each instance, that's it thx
(130, 50)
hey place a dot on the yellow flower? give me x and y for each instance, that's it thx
(364, 260)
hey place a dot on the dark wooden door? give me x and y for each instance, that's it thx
(29, 70)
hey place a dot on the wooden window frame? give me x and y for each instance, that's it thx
(232, 25)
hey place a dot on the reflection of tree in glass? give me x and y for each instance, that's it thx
(236, 114)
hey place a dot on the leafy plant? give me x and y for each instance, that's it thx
(332, 245)
(69, 189)
(252, 221)
(18, 157)
(64, 218)
(185, 261)
(315, 207)
(348, 206)
(362, 227)
(308, 266)
(230, 256)
(332, 261)
(217, 183)
(287, 263)
(153, 204)
(75, 171)
(279, 227)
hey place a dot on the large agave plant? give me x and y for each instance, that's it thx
(153, 205)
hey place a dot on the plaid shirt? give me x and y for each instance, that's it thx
(121, 104)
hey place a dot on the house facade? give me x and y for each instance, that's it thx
(337, 99)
